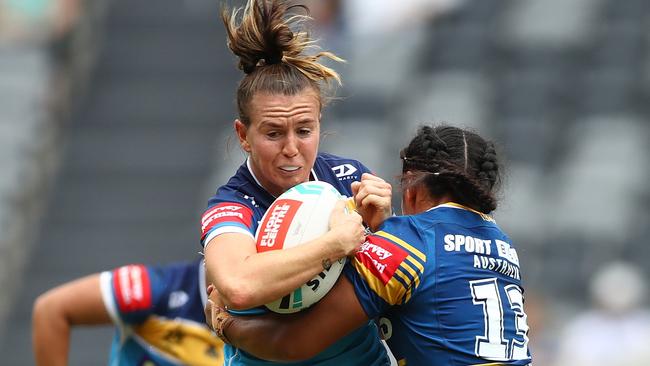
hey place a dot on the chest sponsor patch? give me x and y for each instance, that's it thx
(381, 257)
(227, 212)
(132, 288)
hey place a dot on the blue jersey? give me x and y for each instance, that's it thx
(239, 206)
(447, 286)
(158, 313)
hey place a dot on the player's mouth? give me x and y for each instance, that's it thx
(289, 168)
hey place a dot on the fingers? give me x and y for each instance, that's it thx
(209, 307)
(373, 192)
(355, 186)
(368, 176)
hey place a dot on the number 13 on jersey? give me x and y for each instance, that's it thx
(492, 344)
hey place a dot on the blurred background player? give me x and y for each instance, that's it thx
(444, 280)
(279, 101)
(616, 329)
(157, 312)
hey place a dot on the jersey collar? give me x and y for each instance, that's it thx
(458, 206)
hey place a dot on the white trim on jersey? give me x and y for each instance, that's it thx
(202, 285)
(225, 230)
(391, 357)
(108, 297)
(250, 170)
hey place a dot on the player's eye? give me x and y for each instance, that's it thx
(304, 132)
(273, 134)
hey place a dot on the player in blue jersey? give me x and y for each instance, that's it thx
(157, 312)
(279, 104)
(444, 280)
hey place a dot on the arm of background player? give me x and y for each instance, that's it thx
(246, 279)
(303, 335)
(74, 303)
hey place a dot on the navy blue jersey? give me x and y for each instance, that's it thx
(159, 318)
(447, 285)
(238, 207)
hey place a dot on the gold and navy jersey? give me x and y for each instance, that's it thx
(445, 287)
(158, 314)
(238, 207)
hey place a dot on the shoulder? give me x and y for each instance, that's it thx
(407, 227)
(340, 165)
(392, 261)
(338, 171)
(176, 269)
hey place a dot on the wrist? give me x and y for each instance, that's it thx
(333, 249)
(221, 323)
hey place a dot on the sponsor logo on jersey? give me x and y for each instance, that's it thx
(274, 227)
(177, 299)
(227, 212)
(132, 288)
(344, 170)
(381, 257)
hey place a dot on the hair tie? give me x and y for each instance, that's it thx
(273, 59)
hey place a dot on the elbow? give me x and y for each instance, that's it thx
(46, 311)
(238, 296)
(39, 308)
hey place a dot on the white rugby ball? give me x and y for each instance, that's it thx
(297, 216)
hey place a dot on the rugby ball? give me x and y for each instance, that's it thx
(297, 216)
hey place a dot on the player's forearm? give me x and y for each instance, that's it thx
(272, 337)
(260, 278)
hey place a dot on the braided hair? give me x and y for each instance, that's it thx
(272, 49)
(455, 162)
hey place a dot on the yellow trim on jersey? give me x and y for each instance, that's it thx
(485, 217)
(413, 263)
(401, 362)
(407, 280)
(190, 343)
(402, 243)
(403, 276)
(416, 277)
(392, 292)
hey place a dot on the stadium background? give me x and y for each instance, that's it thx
(115, 125)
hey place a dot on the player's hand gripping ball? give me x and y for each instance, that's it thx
(297, 216)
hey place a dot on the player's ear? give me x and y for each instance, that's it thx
(242, 133)
(408, 194)
(408, 200)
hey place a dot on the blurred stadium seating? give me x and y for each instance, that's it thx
(142, 135)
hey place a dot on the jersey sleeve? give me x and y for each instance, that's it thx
(363, 168)
(226, 217)
(387, 269)
(133, 292)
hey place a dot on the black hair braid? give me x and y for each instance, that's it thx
(466, 190)
(442, 151)
(426, 152)
(488, 167)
